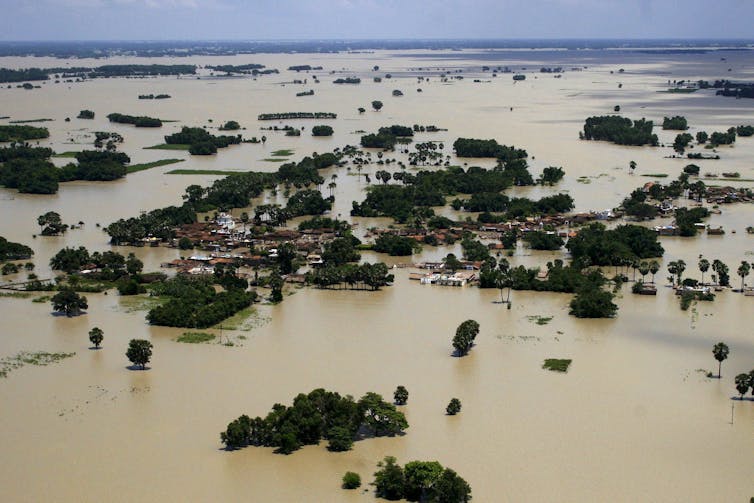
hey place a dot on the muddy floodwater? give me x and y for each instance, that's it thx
(634, 419)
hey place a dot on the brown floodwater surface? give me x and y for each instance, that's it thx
(634, 419)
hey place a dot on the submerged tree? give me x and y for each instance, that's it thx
(68, 302)
(377, 105)
(743, 271)
(720, 351)
(454, 407)
(96, 335)
(139, 352)
(465, 335)
(743, 381)
(401, 395)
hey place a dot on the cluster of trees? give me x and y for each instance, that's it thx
(24, 151)
(681, 142)
(487, 202)
(723, 138)
(347, 80)
(140, 70)
(244, 69)
(200, 141)
(339, 227)
(51, 224)
(470, 147)
(159, 223)
(540, 240)
(13, 251)
(22, 75)
(230, 126)
(28, 172)
(465, 336)
(596, 245)
(13, 133)
(383, 140)
(619, 130)
(307, 202)
(352, 276)
(677, 122)
(395, 245)
(686, 218)
(194, 303)
(420, 481)
(107, 140)
(305, 172)
(322, 131)
(312, 417)
(551, 175)
(111, 265)
(85, 114)
(140, 121)
(297, 115)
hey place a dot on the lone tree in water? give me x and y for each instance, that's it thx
(454, 407)
(95, 336)
(401, 395)
(139, 352)
(68, 302)
(465, 335)
(377, 105)
(743, 381)
(720, 350)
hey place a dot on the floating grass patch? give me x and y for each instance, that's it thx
(274, 160)
(195, 337)
(540, 320)
(556, 364)
(282, 153)
(169, 146)
(726, 180)
(41, 300)
(67, 155)
(131, 303)
(655, 175)
(149, 165)
(202, 172)
(244, 320)
(39, 358)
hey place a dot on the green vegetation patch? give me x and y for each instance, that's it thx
(169, 146)
(134, 168)
(556, 364)
(282, 153)
(656, 175)
(201, 172)
(41, 300)
(15, 295)
(195, 337)
(39, 358)
(67, 155)
(679, 90)
(539, 320)
(269, 159)
(244, 321)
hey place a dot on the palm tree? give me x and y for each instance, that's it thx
(703, 267)
(676, 268)
(720, 350)
(643, 270)
(743, 271)
(654, 266)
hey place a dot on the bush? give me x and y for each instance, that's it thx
(351, 480)
(454, 407)
(322, 131)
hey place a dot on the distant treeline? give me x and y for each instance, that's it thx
(22, 75)
(297, 115)
(154, 96)
(141, 121)
(303, 68)
(347, 80)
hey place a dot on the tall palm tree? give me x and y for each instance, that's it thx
(720, 351)
(743, 381)
(703, 267)
(643, 270)
(743, 271)
(654, 266)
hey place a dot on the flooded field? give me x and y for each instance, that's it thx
(634, 419)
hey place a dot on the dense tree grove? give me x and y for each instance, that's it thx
(395, 245)
(16, 133)
(596, 245)
(551, 175)
(425, 481)
(200, 141)
(470, 147)
(591, 301)
(315, 416)
(307, 202)
(24, 151)
(322, 131)
(677, 122)
(141, 121)
(194, 303)
(13, 251)
(539, 240)
(352, 276)
(383, 140)
(22, 74)
(619, 130)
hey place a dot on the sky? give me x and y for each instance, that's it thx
(360, 19)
